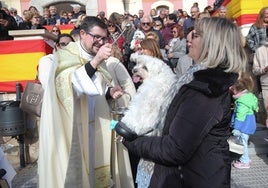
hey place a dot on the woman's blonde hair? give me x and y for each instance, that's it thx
(80, 20)
(221, 44)
(27, 15)
(260, 19)
(33, 14)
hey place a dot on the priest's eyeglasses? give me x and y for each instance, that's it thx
(98, 38)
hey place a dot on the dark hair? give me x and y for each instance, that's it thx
(115, 18)
(189, 30)
(180, 11)
(64, 35)
(172, 17)
(91, 21)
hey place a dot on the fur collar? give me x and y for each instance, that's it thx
(213, 82)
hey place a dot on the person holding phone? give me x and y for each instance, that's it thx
(7, 23)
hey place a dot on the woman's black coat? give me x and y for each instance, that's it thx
(193, 151)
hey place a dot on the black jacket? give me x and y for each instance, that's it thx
(28, 25)
(193, 151)
(12, 25)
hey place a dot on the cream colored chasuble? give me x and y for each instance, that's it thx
(70, 154)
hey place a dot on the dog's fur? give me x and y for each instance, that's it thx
(137, 38)
(148, 108)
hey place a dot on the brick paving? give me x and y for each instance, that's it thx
(255, 177)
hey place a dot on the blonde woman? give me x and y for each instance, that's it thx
(31, 21)
(193, 150)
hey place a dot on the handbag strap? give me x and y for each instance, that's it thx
(36, 80)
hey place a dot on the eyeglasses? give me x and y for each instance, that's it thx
(111, 25)
(98, 38)
(63, 44)
(70, 15)
(146, 23)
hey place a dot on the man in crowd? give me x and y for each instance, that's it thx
(137, 20)
(54, 16)
(223, 12)
(189, 23)
(146, 24)
(76, 10)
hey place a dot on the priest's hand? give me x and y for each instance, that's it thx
(104, 52)
(116, 92)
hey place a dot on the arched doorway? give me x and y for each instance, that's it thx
(158, 8)
(60, 4)
(163, 4)
(65, 6)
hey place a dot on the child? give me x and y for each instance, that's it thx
(243, 121)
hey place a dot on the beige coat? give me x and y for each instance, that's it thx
(260, 61)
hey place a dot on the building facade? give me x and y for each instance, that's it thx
(92, 7)
(244, 11)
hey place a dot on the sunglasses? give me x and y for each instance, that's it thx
(55, 30)
(63, 44)
(146, 23)
(110, 25)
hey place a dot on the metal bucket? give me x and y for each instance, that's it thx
(11, 118)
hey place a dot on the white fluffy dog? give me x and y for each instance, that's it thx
(148, 108)
(137, 38)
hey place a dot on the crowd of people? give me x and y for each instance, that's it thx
(91, 68)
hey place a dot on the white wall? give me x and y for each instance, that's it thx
(187, 4)
(114, 6)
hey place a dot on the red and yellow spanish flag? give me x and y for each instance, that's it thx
(244, 11)
(63, 28)
(19, 60)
